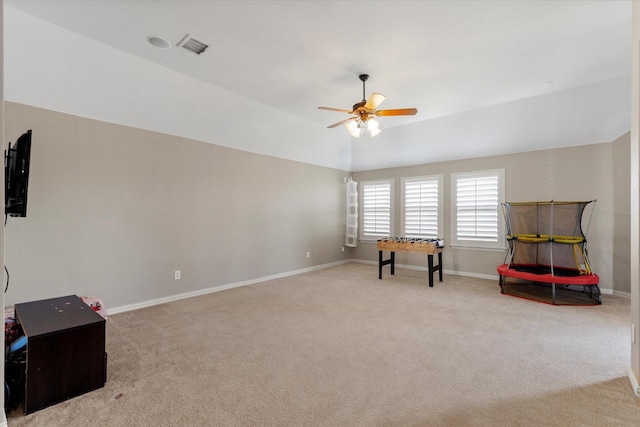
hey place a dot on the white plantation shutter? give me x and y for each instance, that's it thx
(422, 207)
(476, 210)
(376, 209)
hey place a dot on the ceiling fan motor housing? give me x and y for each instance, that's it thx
(358, 105)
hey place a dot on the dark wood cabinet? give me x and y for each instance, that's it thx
(65, 350)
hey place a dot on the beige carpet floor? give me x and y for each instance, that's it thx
(338, 347)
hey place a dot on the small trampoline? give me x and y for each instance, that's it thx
(547, 260)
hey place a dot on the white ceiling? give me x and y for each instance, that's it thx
(443, 57)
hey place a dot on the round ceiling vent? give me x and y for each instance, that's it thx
(158, 42)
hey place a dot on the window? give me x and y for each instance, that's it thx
(476, 210)
(422, 207)
(376, 209)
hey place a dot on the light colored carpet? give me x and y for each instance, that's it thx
(338, 347)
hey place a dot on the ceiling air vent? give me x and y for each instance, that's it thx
(193, 45)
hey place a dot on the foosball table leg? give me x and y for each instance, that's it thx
(393, 263)
(431, 268)
(381, 263)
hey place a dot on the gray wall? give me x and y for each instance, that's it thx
(114, 210)
(622, 214)
(599, 171)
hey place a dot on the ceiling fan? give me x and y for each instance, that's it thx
(364, 121)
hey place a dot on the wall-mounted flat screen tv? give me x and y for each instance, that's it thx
(16, 176)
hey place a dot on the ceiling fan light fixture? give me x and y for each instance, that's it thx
(359, 127)
(373, 124)
(353, 127)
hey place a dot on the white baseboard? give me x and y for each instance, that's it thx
(176, 297)
(618, 293)
(604, 291)
(634, 383)
(170, 298)
(474, 275)
(422, 268)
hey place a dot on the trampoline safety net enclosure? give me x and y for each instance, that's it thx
(547, 258)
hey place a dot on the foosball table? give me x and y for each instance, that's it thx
(429, 247)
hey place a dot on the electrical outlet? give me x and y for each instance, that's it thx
(308, 254)
(177, 274)
(343, 249)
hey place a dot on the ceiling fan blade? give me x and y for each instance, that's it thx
(397, 112)
(374, 100)
(339, 110)
(335, 125)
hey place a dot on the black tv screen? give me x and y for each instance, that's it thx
(16, 176)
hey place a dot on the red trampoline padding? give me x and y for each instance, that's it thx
(583, 280)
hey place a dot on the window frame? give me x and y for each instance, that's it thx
(365, 237)
(499, 243)
(439, 208)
